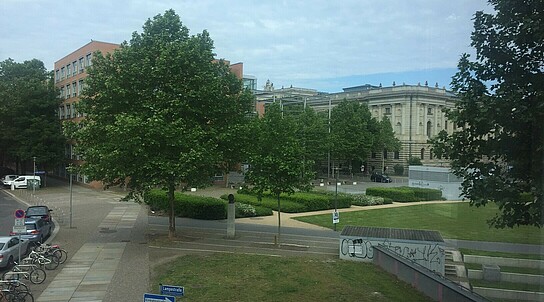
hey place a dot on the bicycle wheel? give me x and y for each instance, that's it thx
(51, 262)
(61, 254)
(9, 275)
(37, 276)
(24, 297)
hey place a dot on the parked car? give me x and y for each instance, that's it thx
(8, 179)
(42, 212)
(9, 250)
(378, 177)
(36, 230)
(21, 182)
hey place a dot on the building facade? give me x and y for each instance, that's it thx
(416, 113)
(70, 74)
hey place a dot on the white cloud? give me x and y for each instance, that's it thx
(286, 41)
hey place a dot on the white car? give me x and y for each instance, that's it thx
(8, 179)
(9, 250)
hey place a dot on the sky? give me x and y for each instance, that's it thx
(318, 44)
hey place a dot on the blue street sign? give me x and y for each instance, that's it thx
(172, 290)
(158, 298)
(19, 213)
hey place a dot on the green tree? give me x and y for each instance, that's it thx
(351, 135)
(277, 162)
(313, 134)
(384, 137)
(160, 111)
(499, 150)
(28, 116)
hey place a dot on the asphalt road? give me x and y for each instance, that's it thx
(8, 205)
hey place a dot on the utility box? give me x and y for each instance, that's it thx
(491, 272)
(423, 247)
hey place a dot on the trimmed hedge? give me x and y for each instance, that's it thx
(368, 200)
(297, 202)
(405, 194)
(188, 205)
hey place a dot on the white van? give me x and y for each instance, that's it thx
(21, 182)
(8, 179)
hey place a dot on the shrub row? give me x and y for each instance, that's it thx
(297, 202)
(198, 207)
(368, 200)
(405, 194)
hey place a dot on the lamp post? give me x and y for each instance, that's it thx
(34, 180)
(336, 170)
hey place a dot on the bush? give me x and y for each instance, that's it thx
(406, 194)
(414, 161)
(297, 202)
(399, 169)
(397, 194)
(368, 200)
(187, 205)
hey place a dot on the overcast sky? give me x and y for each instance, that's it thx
(319, 44)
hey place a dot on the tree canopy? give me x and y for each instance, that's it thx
(161, 111)
(277, 162)
(498, 150)
(28, 115)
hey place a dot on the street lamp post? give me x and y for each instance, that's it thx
(34, 180)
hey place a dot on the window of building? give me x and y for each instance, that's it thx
(429, 110)
(429, 129)
(373, 155)
(74, 110)
(385, 153)
(81, 65)
(68, 91)
(61, 112)
(446, 125)
(397, 155)
(68, 111)
(68, 70)
(74, 64)
(388, 110)
(88, 60)
(74, 89)
(422, 153)
(62, 73)
(57, 75)
(80, 87)
(62, 92)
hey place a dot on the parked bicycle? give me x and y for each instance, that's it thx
(15, 291)
(29, 272)
(48, 261)
(54, 249)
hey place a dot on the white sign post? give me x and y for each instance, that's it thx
(335, 217)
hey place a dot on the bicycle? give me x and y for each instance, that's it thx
(47, 261)
(30, 272)
(15, 291)
(55, 249)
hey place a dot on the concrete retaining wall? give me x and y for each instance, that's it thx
(507, 294)
(510, 277)
(431, 284)
(501, 261)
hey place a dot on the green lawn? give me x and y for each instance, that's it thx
(238, 277)
(452, 220)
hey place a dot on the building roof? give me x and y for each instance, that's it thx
(391, 233)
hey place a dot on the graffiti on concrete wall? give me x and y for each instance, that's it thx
(429, 255)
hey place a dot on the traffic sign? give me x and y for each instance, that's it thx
(19, 213)
(158, 298)
(172, 290)
(19, 229)
(335, 217)
(19, 222)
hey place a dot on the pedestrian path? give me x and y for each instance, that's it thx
(89, 273)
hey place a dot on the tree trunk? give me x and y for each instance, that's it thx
(279, 221)
(171, 213)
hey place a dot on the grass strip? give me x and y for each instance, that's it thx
(241, 277)
(452, 220)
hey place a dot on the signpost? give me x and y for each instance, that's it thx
(335, 217)
(172, 290)
(158, 298)
(19, 226)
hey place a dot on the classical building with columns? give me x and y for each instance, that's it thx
(416, 113)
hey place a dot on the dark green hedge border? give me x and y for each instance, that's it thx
(406, 194)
